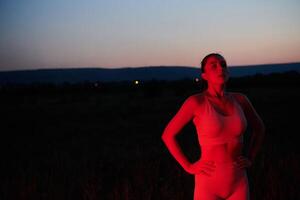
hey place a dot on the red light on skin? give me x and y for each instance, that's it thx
(220, 119)
(216, 71)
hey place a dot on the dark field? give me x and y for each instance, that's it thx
(87, 142)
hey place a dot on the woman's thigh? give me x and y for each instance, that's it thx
(241, 191)
(203, 188)
(201, 194)
(226, 181)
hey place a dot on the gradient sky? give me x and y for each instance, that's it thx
(130, 33)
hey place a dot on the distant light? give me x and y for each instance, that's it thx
(136, 82)
(197, 79)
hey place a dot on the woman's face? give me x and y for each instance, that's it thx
(215, 70)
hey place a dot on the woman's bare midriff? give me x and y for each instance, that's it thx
(226, 152)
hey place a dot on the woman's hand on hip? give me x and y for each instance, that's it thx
(201, 167)
(242, 162)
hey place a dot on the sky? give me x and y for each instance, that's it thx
(39, 34)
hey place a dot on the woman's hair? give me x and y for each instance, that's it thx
(204, 83)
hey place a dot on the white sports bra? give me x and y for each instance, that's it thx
(215, 128)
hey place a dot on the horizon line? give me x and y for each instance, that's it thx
(137, 67)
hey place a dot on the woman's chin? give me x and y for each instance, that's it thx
(221, 81)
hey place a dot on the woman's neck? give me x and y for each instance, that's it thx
(216, 91)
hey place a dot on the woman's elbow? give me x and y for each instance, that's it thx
(261, 129)
(167, 136)
(259, 126)
(163, 137)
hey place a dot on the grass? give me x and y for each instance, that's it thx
(90, 143)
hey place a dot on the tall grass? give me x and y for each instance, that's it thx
(94, 144)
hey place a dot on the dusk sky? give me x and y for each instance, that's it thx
(39, 34)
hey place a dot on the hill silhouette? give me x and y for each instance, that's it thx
(168, 73)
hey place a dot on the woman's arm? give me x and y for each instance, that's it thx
(182, 117)
(258, 127)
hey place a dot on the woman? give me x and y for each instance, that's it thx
(220, 118)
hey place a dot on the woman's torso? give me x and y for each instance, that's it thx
(220, 135)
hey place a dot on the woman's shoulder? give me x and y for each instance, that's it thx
(195, 99)
(194, 103)
(240, 97)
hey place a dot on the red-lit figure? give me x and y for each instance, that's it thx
(220, 118)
